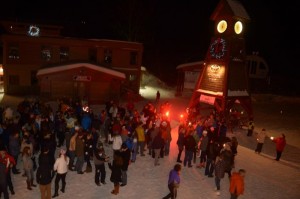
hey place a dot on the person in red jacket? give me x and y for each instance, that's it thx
(8, 162)
(280, 145)
(237, 184)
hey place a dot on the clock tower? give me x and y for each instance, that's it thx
(224, 80)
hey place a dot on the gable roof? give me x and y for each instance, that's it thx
(45, 71)
(195, 65)
(235, 6)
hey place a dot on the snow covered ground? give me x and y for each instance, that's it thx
(265, 178)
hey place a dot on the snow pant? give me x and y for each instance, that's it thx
(180, 149)
(278, 155)
(134, 152)
(209, 168)
(72, 158)
(218, 182)
(173, 192)
(59, 177)
(45, 191)
(188, 158)
(124, 177)
(259, 147)
(100, 173)
(167, 147)
(141, 147)
(79, 164)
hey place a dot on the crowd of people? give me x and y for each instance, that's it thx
(52, 143)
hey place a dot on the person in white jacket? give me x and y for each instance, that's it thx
(260, 138)
(61, 168)
(117, 142)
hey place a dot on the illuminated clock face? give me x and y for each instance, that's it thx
(238, 27)
(218, 48)
(34, 31)
(222, 26)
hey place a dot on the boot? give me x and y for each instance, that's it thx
(117, 189)
(63, 188)
(55, 192)
(88, 169)
(178, 159)
(28, 185)
(31, 183)
(114, 190)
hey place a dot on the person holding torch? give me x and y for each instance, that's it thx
(280, 145)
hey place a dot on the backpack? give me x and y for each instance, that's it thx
(129, 143)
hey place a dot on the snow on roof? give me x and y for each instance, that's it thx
(210, 92)
(235, 6)
(127, 69)
(61, 68)
(238, 9)
(190, 64)
(237, 93)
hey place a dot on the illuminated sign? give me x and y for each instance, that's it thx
(213, 79)
(207, 99)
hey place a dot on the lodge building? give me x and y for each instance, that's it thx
(37, 59)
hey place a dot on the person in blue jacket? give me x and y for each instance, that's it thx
(173, 182)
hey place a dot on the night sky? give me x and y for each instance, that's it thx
(172, 31)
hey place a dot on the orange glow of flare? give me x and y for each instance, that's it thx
(167, 113)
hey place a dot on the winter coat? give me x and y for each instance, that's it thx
(99, 157)
(236, 184)
(44, 171)
(125, 154)
(261, 136)
(180, 140)
(72, 146)
(204, 142)
(140, 133)
(79, 148)
(3, 178)
(86, 122)
(228, 159)
(14, 145)
(27, 162)
(213, 150)
(220, 168)
(7, 160)
(189, 143)
(280, 143)
(158, 142)
(174, 177)
(88, 148)
(116, 169)
(61, 164)
(166, 133)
